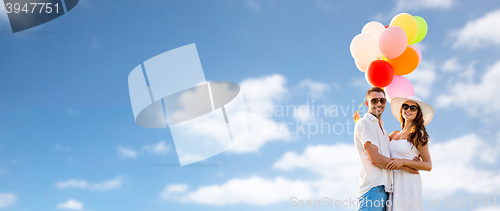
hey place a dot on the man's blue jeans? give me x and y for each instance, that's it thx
(374, 200)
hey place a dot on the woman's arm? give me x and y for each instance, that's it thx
(425, 164)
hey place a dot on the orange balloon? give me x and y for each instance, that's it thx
(406, 63)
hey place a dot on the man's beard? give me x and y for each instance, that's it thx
(375, 113)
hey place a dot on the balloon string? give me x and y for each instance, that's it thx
(355, 120)
(361, 104)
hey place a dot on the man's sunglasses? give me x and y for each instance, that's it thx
(413, 108)
(376, 100)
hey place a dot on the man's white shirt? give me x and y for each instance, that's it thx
(368, 129)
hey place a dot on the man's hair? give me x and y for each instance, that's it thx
(374, 89)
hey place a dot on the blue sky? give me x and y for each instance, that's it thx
(68, 139)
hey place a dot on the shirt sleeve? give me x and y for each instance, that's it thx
(366, 134)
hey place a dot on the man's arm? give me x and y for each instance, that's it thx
(376, 158)
(381, 161)
(366, 136)
(425, 164)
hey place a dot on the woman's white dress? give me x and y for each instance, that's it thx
(407, 194)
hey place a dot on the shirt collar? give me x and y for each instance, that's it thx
(371, 117)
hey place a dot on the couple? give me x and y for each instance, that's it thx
(390, 163)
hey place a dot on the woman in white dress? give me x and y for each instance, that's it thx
(405, 145)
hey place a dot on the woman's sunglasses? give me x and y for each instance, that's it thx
(376, 100)
(413, 108)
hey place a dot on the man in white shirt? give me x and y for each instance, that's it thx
(372, 143)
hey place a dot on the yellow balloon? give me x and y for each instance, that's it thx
(408, 23)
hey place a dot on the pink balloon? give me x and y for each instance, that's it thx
(399, 87)
(392, 42)
(418, 51)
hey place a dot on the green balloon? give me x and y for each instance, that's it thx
(421, 29)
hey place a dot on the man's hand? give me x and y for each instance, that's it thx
(406, 168)
(417, 158)
(395, 164)
(410, 170)
(356, 116)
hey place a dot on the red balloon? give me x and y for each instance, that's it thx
(379, 73)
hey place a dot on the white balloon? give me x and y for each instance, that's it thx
(374, 29)
(364, 48)
(361, 66)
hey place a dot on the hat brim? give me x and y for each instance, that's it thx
(397, 103)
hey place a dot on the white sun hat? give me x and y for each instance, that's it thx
(397, 103)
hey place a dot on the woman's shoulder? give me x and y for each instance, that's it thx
(394, 133)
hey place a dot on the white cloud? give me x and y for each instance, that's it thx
(423, 78)
(326, 161)
(261, 96)
(420, 46)
(459, 71)
(455, 167)
(207, 127)
(404, 6)
(254, 190)
(161, 148)
(324, 5)
(63, 148)
(207, 134)
(70, 205)
(72, 112)
(83, 184)
(254, 5)
(3, 170)
(7, 199)
(468, 74)
(195, 102)
(126, 152)
(407, 5)
(303, 113)
(451, 65)
(94, 43)
(107, 185)
(337, 166)
(480, 32)
(323, 160)
(359, 83)
(268, 89)
(476, 98)
(175, 188)
(316, 89)
(72, 184)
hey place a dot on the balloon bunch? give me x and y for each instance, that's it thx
(386, 53)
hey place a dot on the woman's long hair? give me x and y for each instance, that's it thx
(416, 138)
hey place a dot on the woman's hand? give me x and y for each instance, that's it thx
(395, 164)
